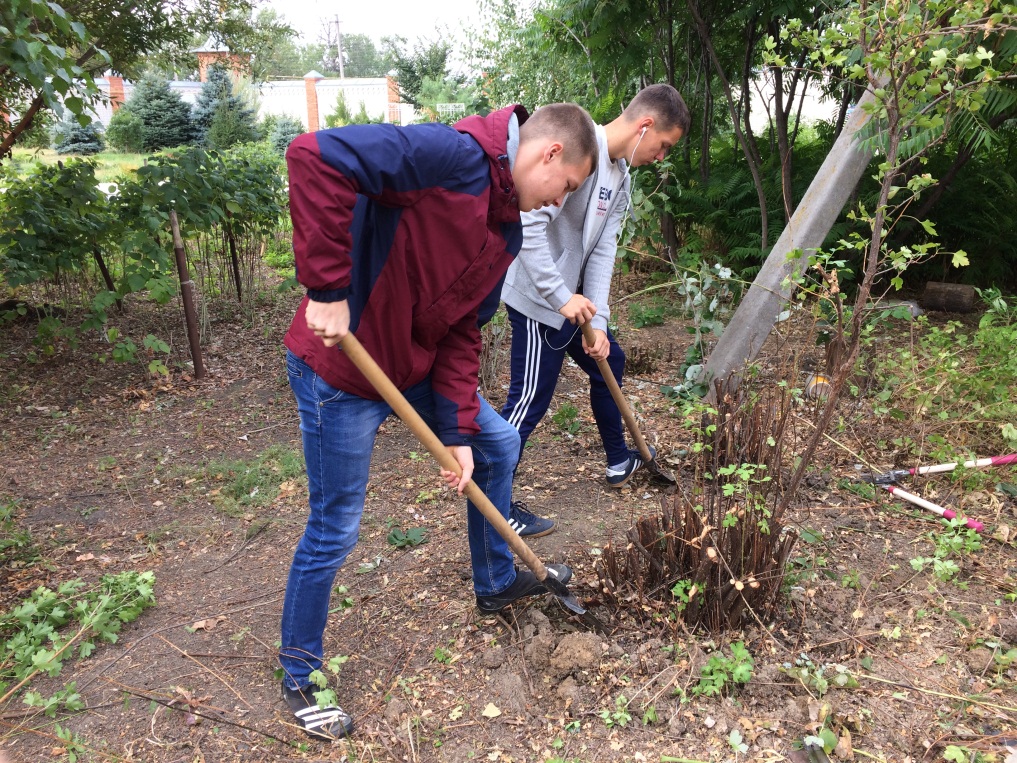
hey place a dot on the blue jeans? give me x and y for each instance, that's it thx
(338, 431)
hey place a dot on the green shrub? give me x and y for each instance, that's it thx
(126, 132)
(50, 627)
(230, 126)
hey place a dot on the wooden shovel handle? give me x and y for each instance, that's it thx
(391, 395)
(619, 398)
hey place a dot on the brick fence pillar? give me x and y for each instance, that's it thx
(394, 113)
(311, 91)
(116, 92)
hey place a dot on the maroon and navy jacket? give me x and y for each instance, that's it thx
(413, 226)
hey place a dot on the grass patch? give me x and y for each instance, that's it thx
(110, 165)
(16, 545)
(237, 486)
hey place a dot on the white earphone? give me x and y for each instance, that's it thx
(643, 132)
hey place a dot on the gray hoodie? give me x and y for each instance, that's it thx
(557, 241)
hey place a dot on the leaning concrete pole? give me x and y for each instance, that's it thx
(811, 222)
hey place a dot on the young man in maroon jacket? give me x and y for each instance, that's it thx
(399, 235)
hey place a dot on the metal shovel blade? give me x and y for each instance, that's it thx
(565, 596)
(659, 472)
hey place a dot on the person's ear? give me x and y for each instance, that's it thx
(553, 150)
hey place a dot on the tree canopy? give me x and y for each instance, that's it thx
(51, 52)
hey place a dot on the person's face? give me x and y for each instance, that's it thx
(547, 178)
(655, 144)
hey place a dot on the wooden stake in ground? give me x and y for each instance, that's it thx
(187, 295)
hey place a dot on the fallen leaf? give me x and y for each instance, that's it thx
(456, 714)
(844, 750)
(208, 623)
(858, 614)
(85, 558)
(491, 711)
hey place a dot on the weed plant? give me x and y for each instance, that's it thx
(50, 627)
(955, 383)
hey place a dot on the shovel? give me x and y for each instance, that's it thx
(623, 405)
(366, 365)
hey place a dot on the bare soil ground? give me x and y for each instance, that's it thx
(113, 471)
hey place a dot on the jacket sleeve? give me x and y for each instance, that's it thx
(600, 267)
(454, 378)
(535, 257)
(328, 168)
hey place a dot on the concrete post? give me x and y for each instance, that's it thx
(809, 226)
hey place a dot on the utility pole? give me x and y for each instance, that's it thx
(339, 45)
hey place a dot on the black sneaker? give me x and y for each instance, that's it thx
(330, 722)
(618, 477)
(526, 524)
(525, 585)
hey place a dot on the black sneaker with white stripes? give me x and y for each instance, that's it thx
(329, 722)
(618, 477)
(525, 584)
(527, 524)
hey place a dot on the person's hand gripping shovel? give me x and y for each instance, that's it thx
(630, 420)
(366, 365)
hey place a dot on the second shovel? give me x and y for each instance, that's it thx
(630, 420)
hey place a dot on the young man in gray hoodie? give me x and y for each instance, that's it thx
(562, 277)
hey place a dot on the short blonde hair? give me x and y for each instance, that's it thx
(568, 123)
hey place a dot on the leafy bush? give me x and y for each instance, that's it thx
(36, 640)
(720, 673)
(83, 140)
(55, 221)
(49, 222)
(126, 132)
(283, 132)
(166, 119)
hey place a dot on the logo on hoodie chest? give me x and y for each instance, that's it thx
(603, 199)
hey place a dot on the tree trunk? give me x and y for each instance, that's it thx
(770, 292)
(743, 141)
(106, 276)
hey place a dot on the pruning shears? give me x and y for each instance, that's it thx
(889, 479)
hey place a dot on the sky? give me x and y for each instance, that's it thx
(378, 18)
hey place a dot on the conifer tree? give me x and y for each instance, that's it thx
(166, 119)
(218, 102)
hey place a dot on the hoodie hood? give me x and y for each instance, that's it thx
(491, 133)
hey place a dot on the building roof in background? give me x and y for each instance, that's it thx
(212, 45)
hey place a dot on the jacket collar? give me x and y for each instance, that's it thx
(491, 133)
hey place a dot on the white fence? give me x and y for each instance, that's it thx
(290, 98)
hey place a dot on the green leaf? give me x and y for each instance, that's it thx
(960, 259)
